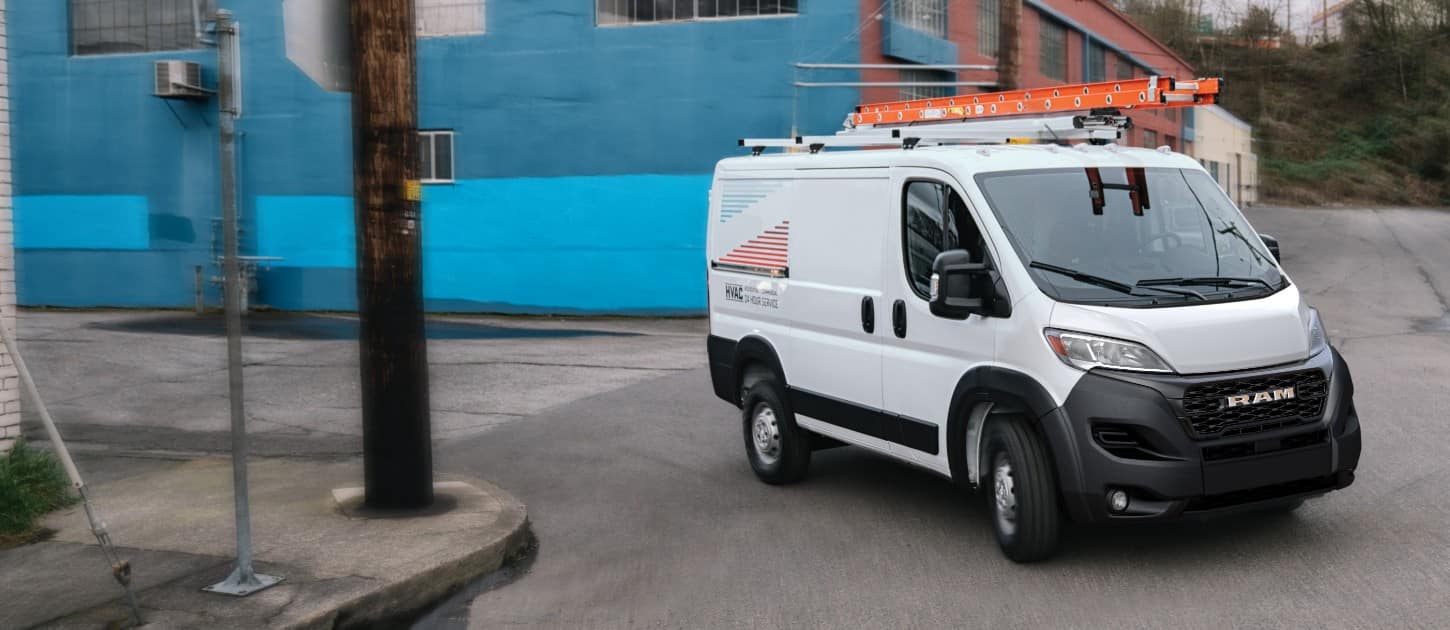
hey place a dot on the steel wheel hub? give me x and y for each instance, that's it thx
(765, 431)
(1005, 494)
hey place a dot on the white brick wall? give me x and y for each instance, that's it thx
(9, 384)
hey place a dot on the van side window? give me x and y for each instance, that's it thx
(935, 219)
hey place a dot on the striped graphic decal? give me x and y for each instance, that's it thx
(768, 253)
(738, 196)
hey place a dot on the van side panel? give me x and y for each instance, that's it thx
(791, 256)
(835, 266)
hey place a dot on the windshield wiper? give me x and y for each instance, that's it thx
(1214, 281)
(1234, 230)
(1107, 283)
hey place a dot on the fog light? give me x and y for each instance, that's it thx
(1117, 500)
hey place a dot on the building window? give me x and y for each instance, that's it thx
(927, 16)
(436, 151)
(1097, 63)
(100, 27)
(450, 17)
(1125, 69)
(1150, 138)
(1053, 49)
(989, 20)
(610, 12)
(914, 92)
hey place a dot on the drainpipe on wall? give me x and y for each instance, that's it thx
(1009, 45)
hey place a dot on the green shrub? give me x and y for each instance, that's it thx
(32, 483)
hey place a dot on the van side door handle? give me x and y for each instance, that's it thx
(898, 318)
(868, 315)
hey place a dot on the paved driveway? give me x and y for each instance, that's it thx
(648, 514)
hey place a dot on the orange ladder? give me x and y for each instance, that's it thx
(1147, 93)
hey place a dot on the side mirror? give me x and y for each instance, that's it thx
(1273, 245)
(961, 288)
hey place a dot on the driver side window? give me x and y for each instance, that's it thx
(934, 219)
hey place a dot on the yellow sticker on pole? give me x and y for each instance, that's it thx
(412, 190)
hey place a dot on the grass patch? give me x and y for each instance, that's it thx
(32, 484)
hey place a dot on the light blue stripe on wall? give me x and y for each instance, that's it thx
(306, 230)
(81, 222)
(588, 243)
(620, 243)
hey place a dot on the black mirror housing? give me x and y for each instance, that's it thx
(961, 288)
(1273, 245)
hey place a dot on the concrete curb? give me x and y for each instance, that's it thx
(410, 596)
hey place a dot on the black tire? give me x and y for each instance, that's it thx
(1027, 530)
(792, 445)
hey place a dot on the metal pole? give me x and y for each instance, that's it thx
(397, 443)
(243, 581)
(120, 569)
(196, 282)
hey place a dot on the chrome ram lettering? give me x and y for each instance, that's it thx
(1255, 398)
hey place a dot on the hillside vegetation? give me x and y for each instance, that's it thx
(1365, 119)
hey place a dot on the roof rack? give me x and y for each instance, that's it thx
(1016, 117)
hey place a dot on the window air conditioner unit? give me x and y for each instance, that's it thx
(180, 79)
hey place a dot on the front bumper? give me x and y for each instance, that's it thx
(1128, 431)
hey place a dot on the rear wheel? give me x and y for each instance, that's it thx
(779, 451)
(1021, 491)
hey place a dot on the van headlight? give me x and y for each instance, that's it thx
(1318, 336)
(1086, 352)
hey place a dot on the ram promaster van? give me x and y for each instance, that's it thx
(1089, 333)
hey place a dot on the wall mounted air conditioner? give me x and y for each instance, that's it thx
(180, 79)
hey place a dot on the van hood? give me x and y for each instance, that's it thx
(1204, 338)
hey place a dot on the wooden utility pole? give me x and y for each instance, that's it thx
(397, 441)
(1009, 44)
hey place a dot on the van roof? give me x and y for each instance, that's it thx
(966, 160)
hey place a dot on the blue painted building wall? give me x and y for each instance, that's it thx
(583, 158)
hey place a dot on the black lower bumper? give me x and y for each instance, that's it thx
(1128, 432)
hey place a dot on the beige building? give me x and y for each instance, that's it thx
(1225, 146)
(9, 385)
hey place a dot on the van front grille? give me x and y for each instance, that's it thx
(1207, 409)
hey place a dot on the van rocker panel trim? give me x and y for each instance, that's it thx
(909, 432)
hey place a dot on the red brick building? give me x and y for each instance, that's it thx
(1059, 41)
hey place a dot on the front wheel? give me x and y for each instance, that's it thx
(1022, 492)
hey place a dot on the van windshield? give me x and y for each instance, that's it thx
(1188, 245)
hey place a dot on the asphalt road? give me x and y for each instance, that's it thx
(648, 514)
(149, 382)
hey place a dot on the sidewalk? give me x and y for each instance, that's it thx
(174, 523)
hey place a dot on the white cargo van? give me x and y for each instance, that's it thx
(1092, 333)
